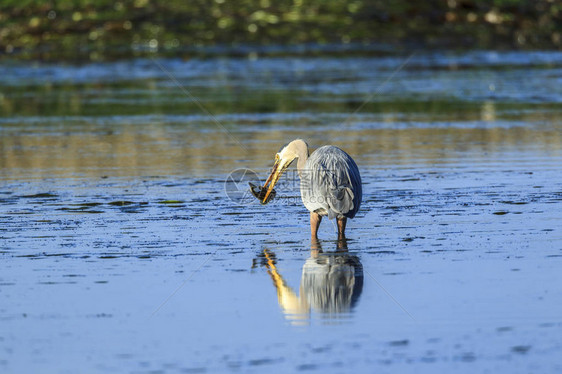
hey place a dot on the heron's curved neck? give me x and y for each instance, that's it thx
(296, 149)
(302, 153)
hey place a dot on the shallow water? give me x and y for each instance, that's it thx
(122, 251)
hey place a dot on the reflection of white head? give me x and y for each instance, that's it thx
(329, 283)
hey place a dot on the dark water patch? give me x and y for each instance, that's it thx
(172, 202)
(87, 204)
(514, 202)
(42, 195)
(42, 255)
(262, 361)
(373, 200)
(81, 209)
(381, 252)
(217, 244)
(468, 357)
(504, 328)
(500, 213)
(399, 343)
(200, 200)
(203, 181)
(306, 367)
(126, 206)
(521, 349)
(196, 370)
(101, 315)
(8, 200)
(121, 203)
(131, 210)
(92, 211)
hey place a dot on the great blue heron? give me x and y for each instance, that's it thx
(330, 182)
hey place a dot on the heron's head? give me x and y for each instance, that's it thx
(283, 159)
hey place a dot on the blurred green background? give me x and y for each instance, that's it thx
(93, 29)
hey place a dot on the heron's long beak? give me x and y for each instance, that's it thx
(278, 168)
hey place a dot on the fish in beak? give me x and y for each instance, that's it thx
(281, 164)
(259, 193)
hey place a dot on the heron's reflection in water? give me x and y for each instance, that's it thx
(331, 284)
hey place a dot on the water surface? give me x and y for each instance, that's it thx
(122, 252)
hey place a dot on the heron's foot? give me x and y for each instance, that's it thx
(315, 247)
(342, 244)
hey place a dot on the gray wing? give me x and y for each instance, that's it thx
(331, 183)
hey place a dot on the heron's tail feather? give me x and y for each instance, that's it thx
(340, 202)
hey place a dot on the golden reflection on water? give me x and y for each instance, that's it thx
(331, 284)
(156, 149)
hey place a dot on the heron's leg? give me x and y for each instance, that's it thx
(341, 227)
(342, 245)
(315, 220)
(315, 247)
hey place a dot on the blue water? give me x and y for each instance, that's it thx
(122, 249)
